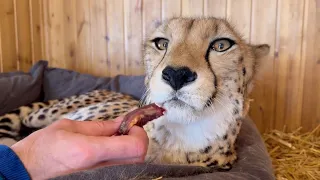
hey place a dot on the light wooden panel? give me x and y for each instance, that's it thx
(263, 30)
(99, 63)
(239, 14)
(104, 38)
(133, 36)
(215, 8)
(8, 36)
(192, 8)
(311, 57)
(289, 67)
(171, 8)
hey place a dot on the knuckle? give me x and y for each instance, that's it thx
(82, 154)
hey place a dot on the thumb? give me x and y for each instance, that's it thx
(93, 128)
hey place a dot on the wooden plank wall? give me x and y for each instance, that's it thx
(103, 38)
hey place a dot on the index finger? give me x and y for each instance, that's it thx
(133, 145)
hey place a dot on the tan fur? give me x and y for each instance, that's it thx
(203, 118)
(234, 71)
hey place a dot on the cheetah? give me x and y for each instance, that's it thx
(199, 69)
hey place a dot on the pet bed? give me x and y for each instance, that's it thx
(43, 83)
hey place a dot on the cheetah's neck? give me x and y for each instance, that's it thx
(195, 135)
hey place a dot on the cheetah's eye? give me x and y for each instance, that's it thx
(161, 43)
(221, 45)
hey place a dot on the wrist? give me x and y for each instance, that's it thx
(11, 166)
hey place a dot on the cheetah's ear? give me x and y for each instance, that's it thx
(261, 50)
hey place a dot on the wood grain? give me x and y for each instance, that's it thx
(192, 8)
(23, 34)
(239, 14)
(115, 29)
(310, 116)
(151, 16)
(171, 8)
(264, 12)
(8, 37)
(70, 33)
(36, 28)
(289, 68)
(56, 32)
(83, 49)
(215, 8)
(99, 65)
(133, 37)
(104, 37)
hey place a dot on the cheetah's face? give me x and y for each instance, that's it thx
(191, 63)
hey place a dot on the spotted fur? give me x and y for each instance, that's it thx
(203, 116)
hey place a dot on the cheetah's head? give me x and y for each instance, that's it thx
(194, 66)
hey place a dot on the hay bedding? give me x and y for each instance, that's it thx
(294, 155)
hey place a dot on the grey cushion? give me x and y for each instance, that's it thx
(254, 161)
(19, 88)
(60, 83)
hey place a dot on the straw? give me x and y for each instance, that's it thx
(294, 155)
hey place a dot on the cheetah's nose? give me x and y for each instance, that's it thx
(178, 77)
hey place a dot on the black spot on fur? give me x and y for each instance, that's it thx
(235, 111)
(78, 118)
(125, 103)
(155, 140)
(244, 71)
(239, 89)
(225, 167)
(214, 163)
(228, 153)
(40, 106)
(97, 101)
(93, 108)
(206, 150)
(54, 111)
(102, 111)
(237, 101)
(188, 159)
(234, 131)
(101, 118)
(30, 105)
(116, 109)
(76, 102)
(87, 100)
(81, 106)
(90, 117)
(190, 25)
(5, 127)
(5, 120)
(69, 107)
(207, 160)
(47, 103)
(17, 111)
(225, 137)
(220, 148)
(41, 117)
(241, 59)
(30, 118)
(45, 110)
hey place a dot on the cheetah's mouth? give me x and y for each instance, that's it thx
(176, 102)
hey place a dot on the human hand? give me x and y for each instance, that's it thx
(68, 146)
